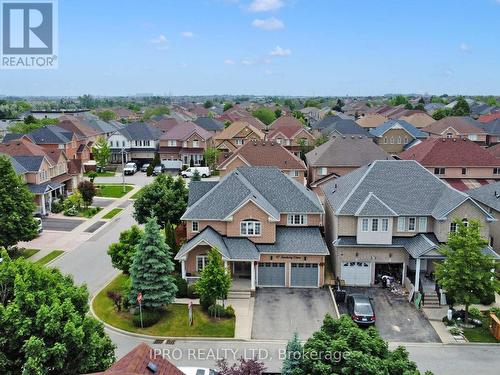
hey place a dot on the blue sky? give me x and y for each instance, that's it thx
(270, 47)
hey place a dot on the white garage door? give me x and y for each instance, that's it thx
(356, 273)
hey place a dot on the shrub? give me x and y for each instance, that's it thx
(71, 211)
(495, 310)
(116, 297)
(149, 318)
(455, 331)
(182, 287)
(206, 302)
(217, 311)
(488, 299)
(474, 313)
(191, 292)
(230, 312)
(57, 206)
(448, 322)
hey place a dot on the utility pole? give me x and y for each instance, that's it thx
(123, 169)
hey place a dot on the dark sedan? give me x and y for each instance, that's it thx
(360, 308)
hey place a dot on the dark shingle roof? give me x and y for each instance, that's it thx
(488, 195)
(296, 240)
(139, 131)
(380, 130)
(198, 189)
(209, 124)
(29, 162)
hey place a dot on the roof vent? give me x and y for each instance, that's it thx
(152, 367)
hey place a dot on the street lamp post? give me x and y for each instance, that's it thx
(123, 169)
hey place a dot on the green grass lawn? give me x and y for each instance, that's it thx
(112, 213)
(174, 323)
(25, 253)
(50, 256)
(480, 334)
(112, 190)
(136, 195)
(102, 174)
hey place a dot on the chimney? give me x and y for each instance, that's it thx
(497, 195)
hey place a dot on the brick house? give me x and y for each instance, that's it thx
(290, 133)
(457, 127)
(394, 136)
(236, 135)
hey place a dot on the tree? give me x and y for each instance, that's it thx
(214, 281)
(151, 270)
(45, 327)
(408, 106)
(265, 115)
(196, 176)
(398, 100)
(341, 347)
(441, 113)
(277, 112)
(420, 107)
(88, 192)
(106, 115)
(245, 367)
(461, 108)
(16, 207)
(293, 356)
(323, 138)
(170, 238)
(122, 252)
(101, 152)
(227, 106)
(338, 106)
(155, 111)
(466, 274)
(312, 103)
(165, 199)
(211, 156)
(290, 104)
(208, 104)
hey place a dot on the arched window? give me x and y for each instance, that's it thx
(465, 222)
(250, 228)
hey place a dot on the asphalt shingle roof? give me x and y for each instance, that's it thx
(209, 124)
(488, 195)
(31, 163)
(139, 131)
(373, 206)
(296, 240)
(198, 189)
(410, 129)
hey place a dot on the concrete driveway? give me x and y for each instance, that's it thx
(63, 225)
(397, 320)
(278, 312)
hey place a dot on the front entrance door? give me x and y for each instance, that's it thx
(242, 269)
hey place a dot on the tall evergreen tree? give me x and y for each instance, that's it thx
(293, 356)
(151, 270)
(16, 207)
(461, 108)
(101, 152)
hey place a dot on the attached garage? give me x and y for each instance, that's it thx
(304, 275)
(356, 273)
(271, 274)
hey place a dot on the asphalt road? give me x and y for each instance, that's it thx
(63, 225)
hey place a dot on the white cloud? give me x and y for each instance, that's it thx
(464, 47)
(229, 62)
(187, 34)
(265, 5)
(248, 62)
(268, 24)
(278, 51)
(161, 39)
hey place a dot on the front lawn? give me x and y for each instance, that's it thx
(49, 257)
(480, 334)
(112, 190)
(102, 174)
(112, 213)
(24, 253)
(174, 322)
(138, 194)
(89, 212)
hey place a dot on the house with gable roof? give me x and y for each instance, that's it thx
(391, 217)
(290, 133)
(236, 135)
(265, 224)
(394, 136)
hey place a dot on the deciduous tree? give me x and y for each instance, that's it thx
(88, 192)
(101, 152)
(461, 108)
(122, 252)
(265, 115)
(214, 281)
(245, 367)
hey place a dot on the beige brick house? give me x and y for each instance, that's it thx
(263, 222)
(390, 217)
(394, 136)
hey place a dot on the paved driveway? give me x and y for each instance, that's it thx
(278, 312)
(397, 320)
(64, 225)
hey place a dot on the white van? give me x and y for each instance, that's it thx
(203, 171)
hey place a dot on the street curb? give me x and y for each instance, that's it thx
(150, 337)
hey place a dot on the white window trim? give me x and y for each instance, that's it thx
(204, 261)
(422, 224)
(363, 221)
(197, 226)
(386, 221)
(302, 219)
(372, 221)
(320, 171)
(401, 224)
(414, 224)
(251, 223)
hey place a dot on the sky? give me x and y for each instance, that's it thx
(270, 47)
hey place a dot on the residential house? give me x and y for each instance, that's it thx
(492, 128)
(371, 120)
(289, 132)
(233, 114)
(391, 217)
(418, 119)
(102, 128)
(313, 115)
(184, 140)
(125, 114)
(457, 127)
(137, 141)
(263, 154)
(210, 124)
(462, 163)
(336, 126)
(48, 173)
(236, 135)
(488, 196)
(264, 223)
(490, 117)
(339, 156)
(394, 136)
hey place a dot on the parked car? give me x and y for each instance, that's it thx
(203, 171)
(144, 167)
(130, 168)
(360, 308)
(158, 170)
(173, 166)
(38, 220)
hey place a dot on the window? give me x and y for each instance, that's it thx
(406, 140)
(472, 137)
(201, 261)
(147, 143)
(195, 143)
(385, 140)
(171, 143)
(250, 228)
(110, 143)
(399, 140)
(392, 140)
(374, 225)
(464, 171)
(401, 224)
(294, 173)
(322, 171)
(239, 142)
(496, 170)
(123, 143)
(195, 226)
(364, 225)
(411, 224)
(279, 140)
(449, 135)
(385, 225)
(453, 227)
(297, 220)
(439, 171)
(422, 224)
(465, 222)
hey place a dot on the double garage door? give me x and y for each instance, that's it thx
(356, 273)
(301, 274)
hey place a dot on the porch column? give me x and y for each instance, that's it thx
(252, 275)
(417, 274)
(183, 269)
(403, 276)
(42, 204)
